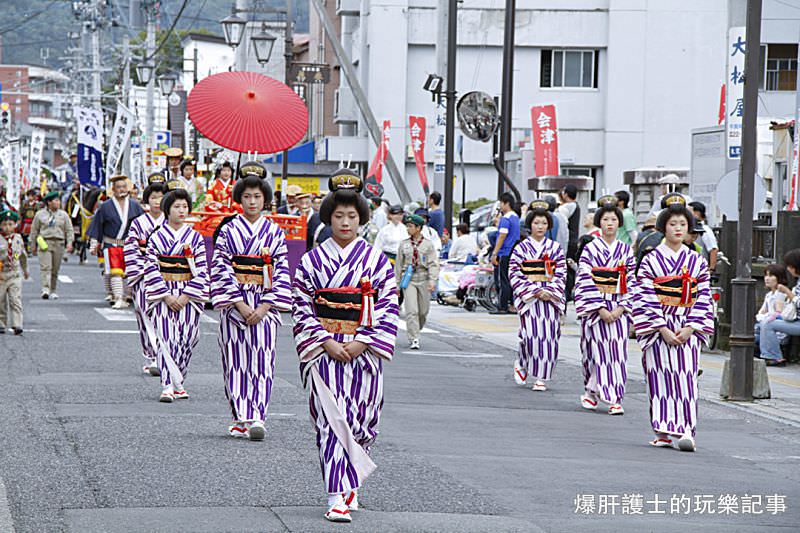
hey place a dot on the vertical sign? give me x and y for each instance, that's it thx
(417, 129)
(734, 108)
(90, 146)
(123, 126)
(792, 203)
(545, 140)
(439, 149)
(35, 158)
(376, 167)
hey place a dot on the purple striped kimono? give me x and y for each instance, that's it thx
(346, 398)
(141, 229)
(604, 346)
(176, 332)
(248, 352)
(539, 321)
(671, 371)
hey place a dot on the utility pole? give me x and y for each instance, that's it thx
(288, 53)
(196, 147)
(150, 47)
(507, 91)
(96, 24)
(743, 286)
(450, 97)
(442, 16)
(240, 60)
(126, 91)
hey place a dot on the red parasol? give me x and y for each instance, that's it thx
(247, 112)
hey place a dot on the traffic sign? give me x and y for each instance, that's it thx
(310, 73)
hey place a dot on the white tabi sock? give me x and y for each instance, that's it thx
(335, 499)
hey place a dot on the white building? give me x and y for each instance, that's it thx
(630, 78)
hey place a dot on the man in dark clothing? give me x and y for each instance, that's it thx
(572, 212)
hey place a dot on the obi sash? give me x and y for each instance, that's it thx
(343, 309)
(539, 269)
(250, 269)
(174, 267)
(676, 291)
(611, 280)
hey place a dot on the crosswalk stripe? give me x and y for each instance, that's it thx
(63, 278)
(126, 315)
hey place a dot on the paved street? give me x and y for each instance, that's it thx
(86, 446)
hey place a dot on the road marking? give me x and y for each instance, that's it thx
(455, 355)
(6, 522)
(126, 315)
(79, 331)
(116, 315)
(402, 325)
(63, 278)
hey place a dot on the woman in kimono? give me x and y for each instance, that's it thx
(250, 286)
(672, 316)
(345, 326)
(135, 248)
(176, 288)
(602, 302)
(537, 272)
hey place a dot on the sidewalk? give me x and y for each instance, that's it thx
(783, 406)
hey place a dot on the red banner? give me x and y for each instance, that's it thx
(417, 129)
(545, 140)
(376, 168)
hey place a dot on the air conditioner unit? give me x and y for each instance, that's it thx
(348, 7)
(344, 106)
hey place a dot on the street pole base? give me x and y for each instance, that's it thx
(761, 389)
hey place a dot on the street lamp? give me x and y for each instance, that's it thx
(166, 83)
(144, 71)
(263, 42)
(233, 28)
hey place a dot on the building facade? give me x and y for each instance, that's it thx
(630, 79)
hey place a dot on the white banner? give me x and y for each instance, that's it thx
(734, 104)
(120, 135)
(90, 146)
(25, 178)
(439, 145)
(35, 157)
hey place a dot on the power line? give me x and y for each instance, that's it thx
(169, 32)
(27, 19)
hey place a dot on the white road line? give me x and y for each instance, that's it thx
(455, 355)
(126, 315)
(402, 325)
(116, 315)
(63, 278)
(6, 522)
(80, 331)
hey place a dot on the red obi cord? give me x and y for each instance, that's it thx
(686, 287)
(367, 303)
(623, 278)
(267, 270)
(187, 251)
(549, 266)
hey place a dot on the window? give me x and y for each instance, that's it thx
(780, 67)
(569, 68)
